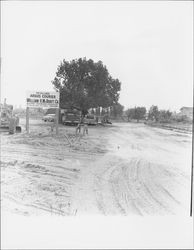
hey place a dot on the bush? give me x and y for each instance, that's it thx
(182, 118)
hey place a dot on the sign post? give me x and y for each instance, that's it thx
(27, 120)
(57, 121)
(39, 99)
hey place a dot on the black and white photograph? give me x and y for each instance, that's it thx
(96, 124)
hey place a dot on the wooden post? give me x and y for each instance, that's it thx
(57, 121)
(27, 120)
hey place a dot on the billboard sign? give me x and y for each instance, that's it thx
(39, 99)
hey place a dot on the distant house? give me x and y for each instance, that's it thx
(186, 111)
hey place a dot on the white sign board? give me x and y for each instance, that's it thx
(39, 99)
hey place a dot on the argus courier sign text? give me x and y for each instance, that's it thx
(37, 99)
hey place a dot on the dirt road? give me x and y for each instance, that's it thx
(128, 169)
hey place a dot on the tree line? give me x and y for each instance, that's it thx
(153, 114)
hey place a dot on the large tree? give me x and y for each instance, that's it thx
(117, 110)
(165, 115)
(136, 113)
(130, 113)
(153, 113)
(140, 113)
(86, 84)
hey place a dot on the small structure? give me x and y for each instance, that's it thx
(102, 115)
(42, 99)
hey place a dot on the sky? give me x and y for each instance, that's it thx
(147, 45)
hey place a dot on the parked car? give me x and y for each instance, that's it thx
(49, 118)
(70, 118)
(91, 119)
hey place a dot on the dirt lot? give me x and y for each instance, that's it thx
(125, 168)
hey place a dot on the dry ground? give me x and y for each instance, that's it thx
(128, 169)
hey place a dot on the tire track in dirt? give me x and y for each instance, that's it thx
(130, 185)
(23, 192)
(134, 190)
(123, 198)
(155, 186)
(117, 172)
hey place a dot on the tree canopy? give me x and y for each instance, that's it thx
(136, 113)
(153, 113)
(86, 84)
(159, 115)
(130, 113)
(117, 110)
(165, 115)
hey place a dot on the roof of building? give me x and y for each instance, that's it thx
(187, 108)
